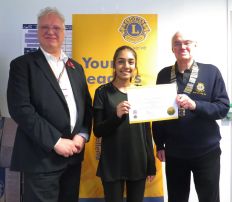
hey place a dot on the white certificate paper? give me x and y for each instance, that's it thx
(152, 103)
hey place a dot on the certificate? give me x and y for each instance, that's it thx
(152, 103)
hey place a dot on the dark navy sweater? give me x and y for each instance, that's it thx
(197, 133)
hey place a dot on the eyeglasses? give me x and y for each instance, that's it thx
(187, 43)
(46, 28)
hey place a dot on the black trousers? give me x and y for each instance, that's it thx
(206, 174)
(58, 186)
(114, 191)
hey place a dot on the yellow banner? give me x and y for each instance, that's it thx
(95, 39)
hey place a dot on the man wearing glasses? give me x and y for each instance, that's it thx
(48, 97)
(190, 144)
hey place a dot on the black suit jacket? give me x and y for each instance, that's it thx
(37, 104)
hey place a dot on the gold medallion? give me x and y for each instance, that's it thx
(171, 111)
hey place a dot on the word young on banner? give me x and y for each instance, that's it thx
(95, 65)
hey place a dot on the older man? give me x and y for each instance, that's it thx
(49, 99)
(191, 143)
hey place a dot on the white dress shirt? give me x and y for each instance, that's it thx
(60, 72)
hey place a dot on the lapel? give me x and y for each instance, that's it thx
(74, 81)
(44, 66)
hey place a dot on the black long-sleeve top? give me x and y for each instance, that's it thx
(126, 149)
(197, 133)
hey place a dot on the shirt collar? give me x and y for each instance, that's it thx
(185, 71)
(49, 57)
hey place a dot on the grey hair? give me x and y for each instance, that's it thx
(50, 10)
(189, 33)
(174, 35)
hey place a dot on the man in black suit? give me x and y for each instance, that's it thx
(48, 97)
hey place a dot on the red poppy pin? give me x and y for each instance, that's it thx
(70, 64)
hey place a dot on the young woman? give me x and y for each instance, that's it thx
(127, 156)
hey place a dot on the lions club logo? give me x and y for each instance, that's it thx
(134, 29)
(200, 89)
